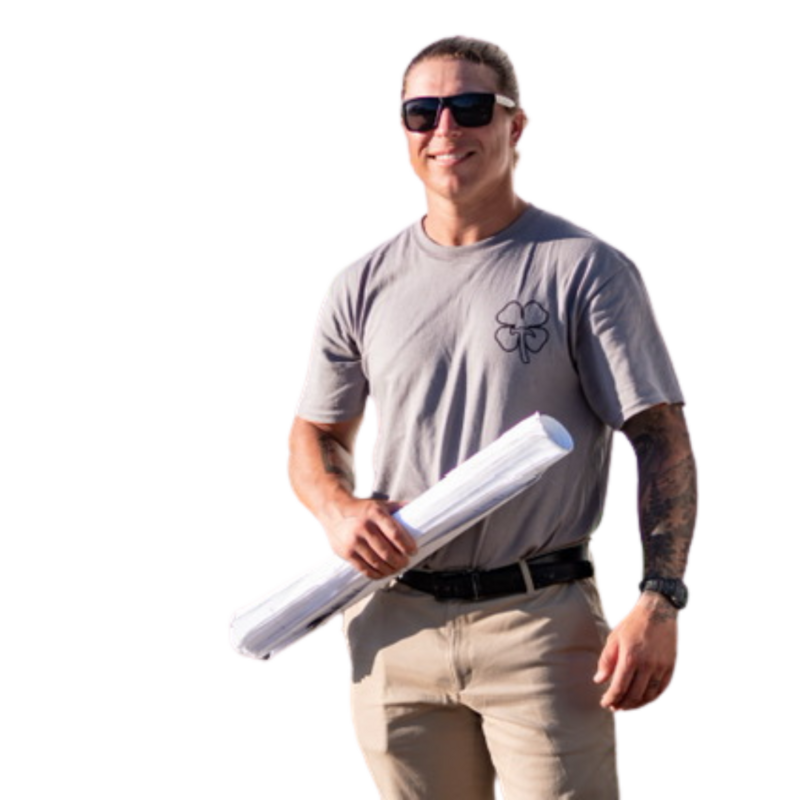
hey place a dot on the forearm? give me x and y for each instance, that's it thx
(667, 488)
(361, 531)
(639, 656)
(321, 466)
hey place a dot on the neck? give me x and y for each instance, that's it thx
(454, 223)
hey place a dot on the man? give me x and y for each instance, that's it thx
(492, 657)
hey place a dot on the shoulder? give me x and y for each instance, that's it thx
(353, 289)
(383, 258)
(558, 234)
(580, 261)
(549, 227)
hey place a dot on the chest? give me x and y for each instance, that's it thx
(502, 323)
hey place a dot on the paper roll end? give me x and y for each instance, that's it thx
(557, 432)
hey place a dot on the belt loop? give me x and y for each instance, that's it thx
(476, 584)
(530, 587)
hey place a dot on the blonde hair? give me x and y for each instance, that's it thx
(476, 51)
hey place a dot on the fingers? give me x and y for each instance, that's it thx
(378, 553)
(372, 541)
(621, 681)
(400, 538)
(643, 688)
(634, 683)
(607, 661)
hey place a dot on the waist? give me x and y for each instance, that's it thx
(560, 566)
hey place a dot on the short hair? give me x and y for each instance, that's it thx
(476, 51)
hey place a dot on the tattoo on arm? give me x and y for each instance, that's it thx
(667, 489)
(336, 460)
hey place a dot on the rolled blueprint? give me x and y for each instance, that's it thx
(464, 496)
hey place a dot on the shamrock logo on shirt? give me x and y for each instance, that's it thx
(522, 328)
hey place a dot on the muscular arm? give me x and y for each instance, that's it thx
(361, 531)
(321, 464)
(667, 488)
(639, 656)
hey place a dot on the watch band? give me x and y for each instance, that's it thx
(674, 589)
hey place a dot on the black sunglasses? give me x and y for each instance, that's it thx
(470, 110)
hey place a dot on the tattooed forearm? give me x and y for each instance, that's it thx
(667, 488)
(321, 465)
(336, 460)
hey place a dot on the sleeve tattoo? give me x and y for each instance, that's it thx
(667, 488)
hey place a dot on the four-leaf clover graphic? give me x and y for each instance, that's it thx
(522, 328)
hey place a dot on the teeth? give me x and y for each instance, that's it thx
(449, 157)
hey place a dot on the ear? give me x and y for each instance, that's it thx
(518, 123)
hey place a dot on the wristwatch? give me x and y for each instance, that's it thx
(674, 589)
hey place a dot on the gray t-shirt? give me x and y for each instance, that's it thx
(457, 344)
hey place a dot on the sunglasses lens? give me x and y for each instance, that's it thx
(419, 115)
(470, 110)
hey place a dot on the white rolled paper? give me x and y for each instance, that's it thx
(463, 497)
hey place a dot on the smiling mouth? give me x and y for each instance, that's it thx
(449, 158)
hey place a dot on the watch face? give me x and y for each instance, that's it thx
(674, 589)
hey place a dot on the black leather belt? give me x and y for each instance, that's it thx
(561, 566)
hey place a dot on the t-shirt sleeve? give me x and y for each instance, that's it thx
(336, 387)
(621, 356)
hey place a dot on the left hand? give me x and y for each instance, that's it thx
(639, 654)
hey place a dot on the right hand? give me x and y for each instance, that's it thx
(370, 539)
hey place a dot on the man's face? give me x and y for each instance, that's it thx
(463, 165)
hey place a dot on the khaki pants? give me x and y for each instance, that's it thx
(448, 694)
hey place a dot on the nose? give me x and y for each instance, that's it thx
(447, 125)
